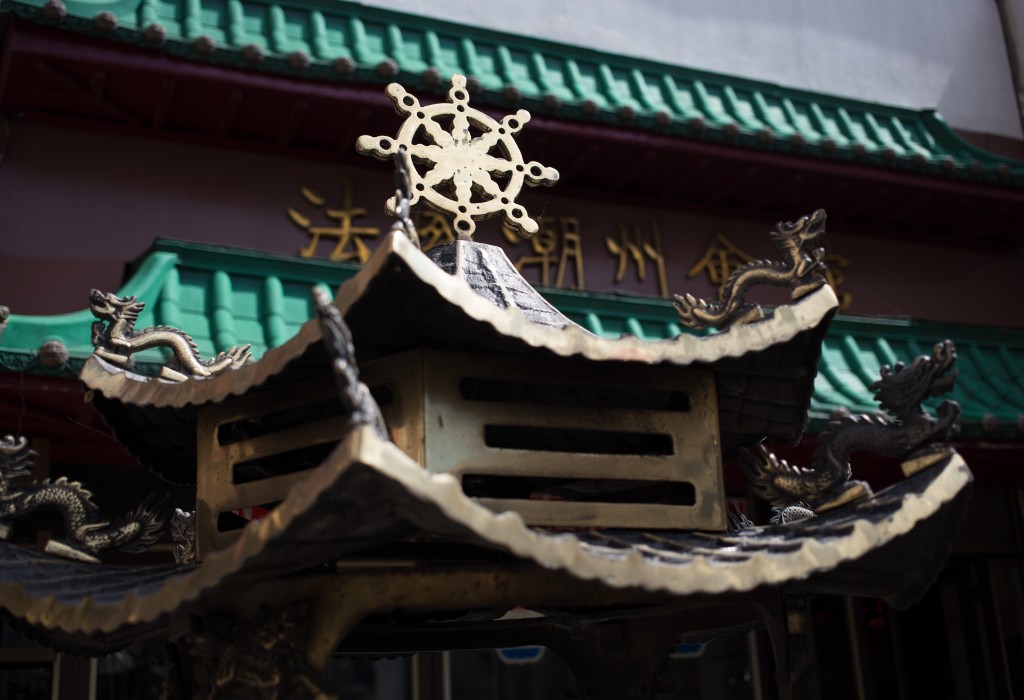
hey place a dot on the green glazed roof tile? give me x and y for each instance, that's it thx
(346, 41)
(220, 297)
(223, 297)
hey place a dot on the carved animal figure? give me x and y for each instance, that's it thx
(800, 271)
(183, 533)
(259, 658)
(84, 529)
(355, 396)
(116, 340)
(907, 432)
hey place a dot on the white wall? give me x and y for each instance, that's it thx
(944, 54)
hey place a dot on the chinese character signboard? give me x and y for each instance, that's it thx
(577, 245)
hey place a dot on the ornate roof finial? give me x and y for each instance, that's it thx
(471, 166)
(403, 195)
(802, 269)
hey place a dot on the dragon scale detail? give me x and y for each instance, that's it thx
(803, 272)
(116, 340)
(908, 431)
(84, 528)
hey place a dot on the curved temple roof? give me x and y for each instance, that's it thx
(468, 296)
(369, 482)
(345, 41)
(184, 284)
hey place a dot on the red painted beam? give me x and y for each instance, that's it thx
(832, 168)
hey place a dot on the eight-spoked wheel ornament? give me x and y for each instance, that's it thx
(465, 164)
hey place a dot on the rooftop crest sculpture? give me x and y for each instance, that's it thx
(470, 177)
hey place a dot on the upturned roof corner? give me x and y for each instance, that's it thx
(269, 300)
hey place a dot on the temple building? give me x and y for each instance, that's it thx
(214, 161)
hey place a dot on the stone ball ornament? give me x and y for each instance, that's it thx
(465, 163)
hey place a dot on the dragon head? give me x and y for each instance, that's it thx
(108, 307)
(804, 231)
(16, 459)
(904, 387)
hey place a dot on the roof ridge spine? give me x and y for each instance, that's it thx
(880, 135)
(222, 322)
(606, 84)
(147, 13)
(973, 353)
(278, 31)
(168, 308)
(846, 124)
(471, 62)
(272, 299)
(394, 45)
(852, 354)
(883, 348)
(432, 50)
(360, 49)
(671, 92)
(235, 25)
(539, 70)
(318, 31)
(192, 26)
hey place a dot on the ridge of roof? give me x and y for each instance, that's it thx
(269, 300)
(346, 41)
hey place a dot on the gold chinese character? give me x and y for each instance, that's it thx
(836, 276)
(350, 245)
(636, 246)
(721, 259)
(433, 229)
(557, 238)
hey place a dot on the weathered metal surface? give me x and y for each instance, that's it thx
(236, 471)
(625, 447)
(488, 272)
(765, 371)
(908, 432)
(462, 176)
(84, 528)
(260, 656)
(403, 196)
(358, 405)
(251, 450)
(116, 340)
(183, 533)
(802, 270)
(368, 494)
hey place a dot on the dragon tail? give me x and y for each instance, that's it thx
(767, 474)
(693, 312)
(138, 529)
(237, 354)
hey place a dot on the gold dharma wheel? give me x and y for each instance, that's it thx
(465, 163)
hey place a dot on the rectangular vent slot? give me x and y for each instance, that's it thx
(674, 493)
(577, 440)
(282, 463)
(636, 398)
(258, 425)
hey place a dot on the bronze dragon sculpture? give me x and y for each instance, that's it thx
(909, 431)
(800, 271)
(116, 340)
(84, 529)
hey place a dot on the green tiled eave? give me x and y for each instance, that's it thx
(224, 297)
(220, 297)
(342, 41)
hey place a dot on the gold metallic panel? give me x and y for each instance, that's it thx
(216, 490)
(509, 420)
